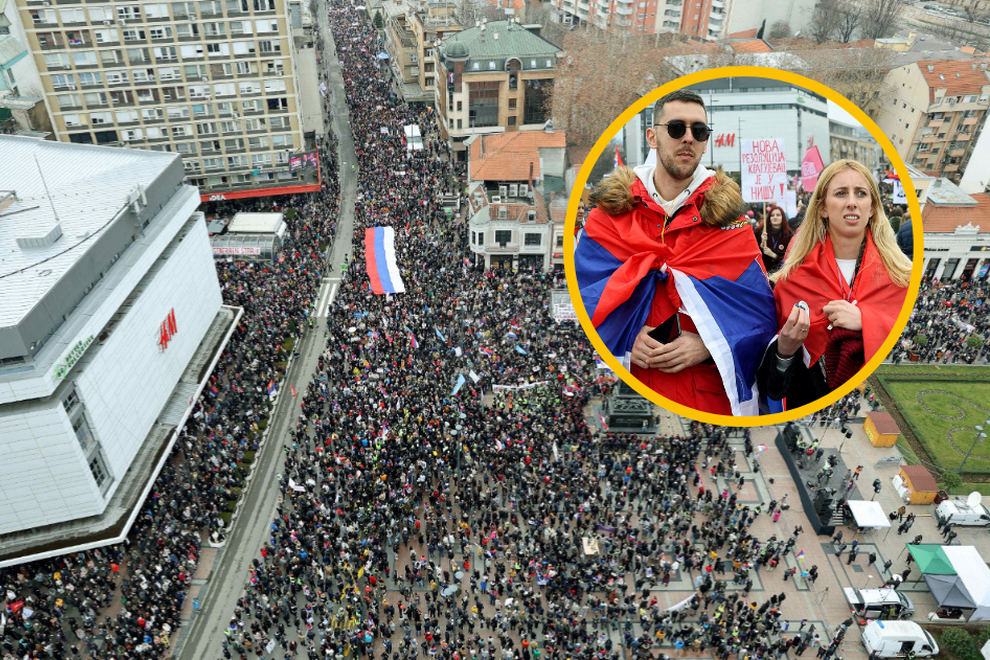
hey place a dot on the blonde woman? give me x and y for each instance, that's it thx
(839, 291)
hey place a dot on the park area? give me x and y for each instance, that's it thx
(938, 409)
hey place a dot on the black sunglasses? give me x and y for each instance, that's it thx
(677, 128)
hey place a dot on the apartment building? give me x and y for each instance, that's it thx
(213, 81)
(700, 19)
(498, 78)
(933, 112)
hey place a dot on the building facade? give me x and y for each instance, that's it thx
(111, 321)
(936, 111)
(957, 232)
(497, 78)
(510, 220)
(213, 81)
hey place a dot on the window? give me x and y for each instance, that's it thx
(57, 61)
(269, 46)
(160, 32)
(533, 240)
(156, 11)
(97, 118)
(503, 236)
(483, 104)
(512, 104)
(534, 101)
(206, 128)
(106, 36)
(83, 434)
(98, 467)
(266, 25)
(63, 81)
(84, 58)
(217, 50)
(95, 98)
(99, 14)
(128, 12)
(68, 100)
(90, 78)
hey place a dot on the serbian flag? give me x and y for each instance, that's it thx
(818, 281)
(271, 388)
(602, 421)
(897, 196)
(811, 167)
(486, 351)
(713, 275)
(379, 253)
(618, 158)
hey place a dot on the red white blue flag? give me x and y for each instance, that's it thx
(379, 253)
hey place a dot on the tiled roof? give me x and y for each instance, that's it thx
(956, 77)
(507, 156)
(945, 218)
(883, 421)
(755, 46)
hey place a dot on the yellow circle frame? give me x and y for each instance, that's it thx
(800, 81)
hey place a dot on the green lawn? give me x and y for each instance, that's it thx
(966, 403)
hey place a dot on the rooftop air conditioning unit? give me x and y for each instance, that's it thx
(497, 199)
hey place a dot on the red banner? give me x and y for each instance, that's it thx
(811, 167)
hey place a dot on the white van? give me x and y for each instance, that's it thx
(964, 513)
(884, 603)
(895, 639)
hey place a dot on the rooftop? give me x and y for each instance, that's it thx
(956, 77)
(753, 46)
(66, 195)
(501, 39)
(507, 156)
(947, 218)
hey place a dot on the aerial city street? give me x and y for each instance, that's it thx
(290, 366)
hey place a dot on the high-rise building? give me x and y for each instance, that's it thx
(933, 111)
(213, 81)
(111, 321)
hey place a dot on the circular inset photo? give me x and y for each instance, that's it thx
(739, 265)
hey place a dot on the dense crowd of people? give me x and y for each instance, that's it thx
(424, 510)
(947, 317)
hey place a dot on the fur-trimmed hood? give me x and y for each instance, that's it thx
(721, 202)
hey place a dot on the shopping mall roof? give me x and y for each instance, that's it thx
(54, 206)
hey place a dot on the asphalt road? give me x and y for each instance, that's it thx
(218, 597)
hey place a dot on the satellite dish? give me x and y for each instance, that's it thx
(974, 499)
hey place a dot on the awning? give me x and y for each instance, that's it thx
(949, 591)
(868, 514)
(931, 559)
(974, 575)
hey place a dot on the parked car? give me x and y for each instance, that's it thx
(884, 603)
(962, 513)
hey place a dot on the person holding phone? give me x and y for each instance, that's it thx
(671, 275)
(839, 291)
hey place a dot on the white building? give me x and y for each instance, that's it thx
(746, 108)
(110, 323)
(957, 232)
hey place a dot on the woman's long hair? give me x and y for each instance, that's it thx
(785, 228)
(814, 229)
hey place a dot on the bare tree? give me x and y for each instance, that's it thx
(880, 18)
(780, 30)
(975, 11)
(602, 73)
(848, 21)
(859, 74)
(825, 20)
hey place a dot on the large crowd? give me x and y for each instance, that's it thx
(420, 517)
(946, 318)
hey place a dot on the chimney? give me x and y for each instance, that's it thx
(531, 176)
(931, 68)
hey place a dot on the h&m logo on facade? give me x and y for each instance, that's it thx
(725, 140)
(167, 330)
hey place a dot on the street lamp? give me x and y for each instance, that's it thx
(868, 578)
(980, 434)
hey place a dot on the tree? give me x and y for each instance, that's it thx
(880, 18)
(974, 341)
(602, 73)
(824, 21)
(378, 20)
(974, 12)
(847, 22)
(921, 339)
(780, 30)
(759, 33)
(859, 74)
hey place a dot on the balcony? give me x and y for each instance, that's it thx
(508, 247)
(957, 152)
(962, 137)
(950, 168)
(969, 121)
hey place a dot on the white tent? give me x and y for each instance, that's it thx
(975, 576)
(868, 514)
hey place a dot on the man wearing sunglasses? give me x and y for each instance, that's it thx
(671, 276)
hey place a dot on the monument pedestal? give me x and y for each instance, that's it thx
(629, 412)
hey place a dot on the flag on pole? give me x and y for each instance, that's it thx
(412, 337)
(460, 383)
(475, 377)
(618, 158)
(486, 351)
(520, 349)
(800, 556)
(271, 388)
(379, 253)
(292, 389)
(439, 334)
(811, 167)
(602, 421)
